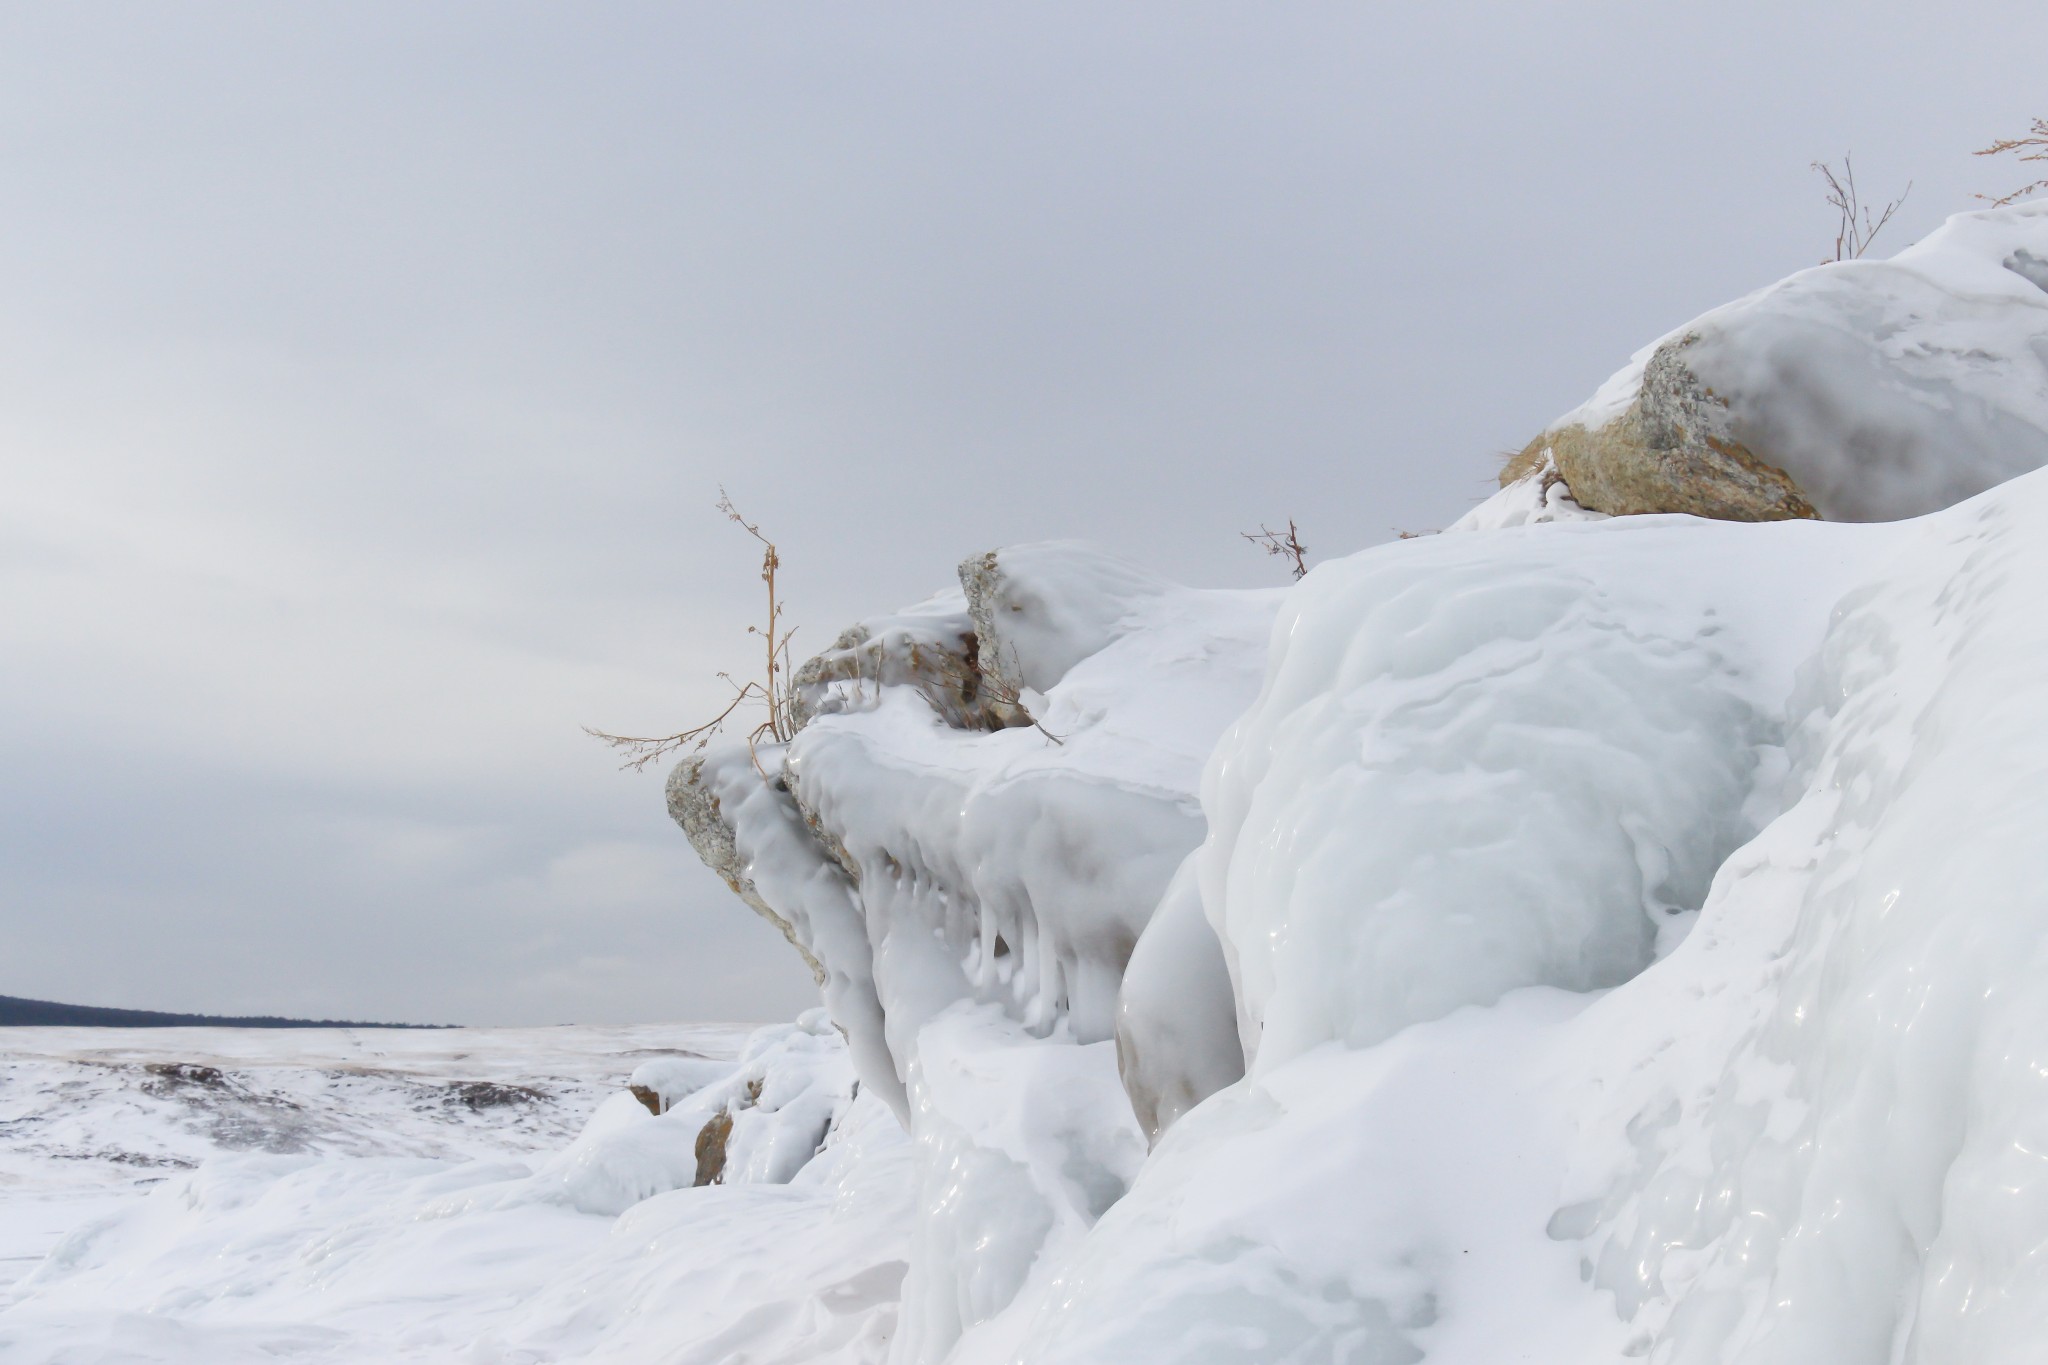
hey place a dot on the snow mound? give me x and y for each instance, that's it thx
(1021, 1146)
(1487, 762)
(755, 1122)
(1815, 1134)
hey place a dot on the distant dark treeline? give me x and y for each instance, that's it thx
(15, 1012)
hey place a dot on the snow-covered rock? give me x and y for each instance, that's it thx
(919, 861)
(929, 855)
(1484, 762)
(758, 1120)
(1857, 391)
(1518, 999)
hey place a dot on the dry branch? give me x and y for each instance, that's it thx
(2033, 147)
(1288, 546)
(1855, 227)
(772, 688)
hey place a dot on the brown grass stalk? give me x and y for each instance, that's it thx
(772, 688)
(2033, 147)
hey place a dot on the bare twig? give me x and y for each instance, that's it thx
(2033, 147)
(641, 751)
(1855, 228)
(994, 685)
(1288, 546)
(773, 688)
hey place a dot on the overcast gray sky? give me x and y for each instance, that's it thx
(367, 374)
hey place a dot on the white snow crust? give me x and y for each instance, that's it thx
(1570, 940)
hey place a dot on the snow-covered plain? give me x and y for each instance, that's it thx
(1568, 940)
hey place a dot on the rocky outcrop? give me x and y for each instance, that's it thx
(938, 655)
(1674, 449)
(919, 865)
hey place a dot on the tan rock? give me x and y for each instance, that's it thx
(711, 1140)
(713, 1137)
(1672, 450)
(944, 665)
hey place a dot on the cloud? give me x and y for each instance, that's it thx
(366, 377)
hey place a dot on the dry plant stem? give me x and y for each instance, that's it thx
(773, 689)
(1855, 228)
(774, 637)
(2033, 147)
(1288, 546)
(642, 750)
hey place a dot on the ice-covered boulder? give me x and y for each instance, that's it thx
(933, 648)
(920, 857)
(968, 838)
(769, 1112)
(1484, 762)
(1856, 391)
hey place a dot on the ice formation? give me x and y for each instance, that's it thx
(1578, 938)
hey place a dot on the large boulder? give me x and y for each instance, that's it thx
(1856, 391)
(1673, 449)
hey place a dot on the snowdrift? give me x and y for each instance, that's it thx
(1571, 938)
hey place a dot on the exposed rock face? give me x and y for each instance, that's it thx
(711, 1142)
(1674, 449)
(981, 579)
(693, 804)
(714, 1139)
(1033, 618)
(939, 655)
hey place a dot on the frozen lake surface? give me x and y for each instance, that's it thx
(93, 1120)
